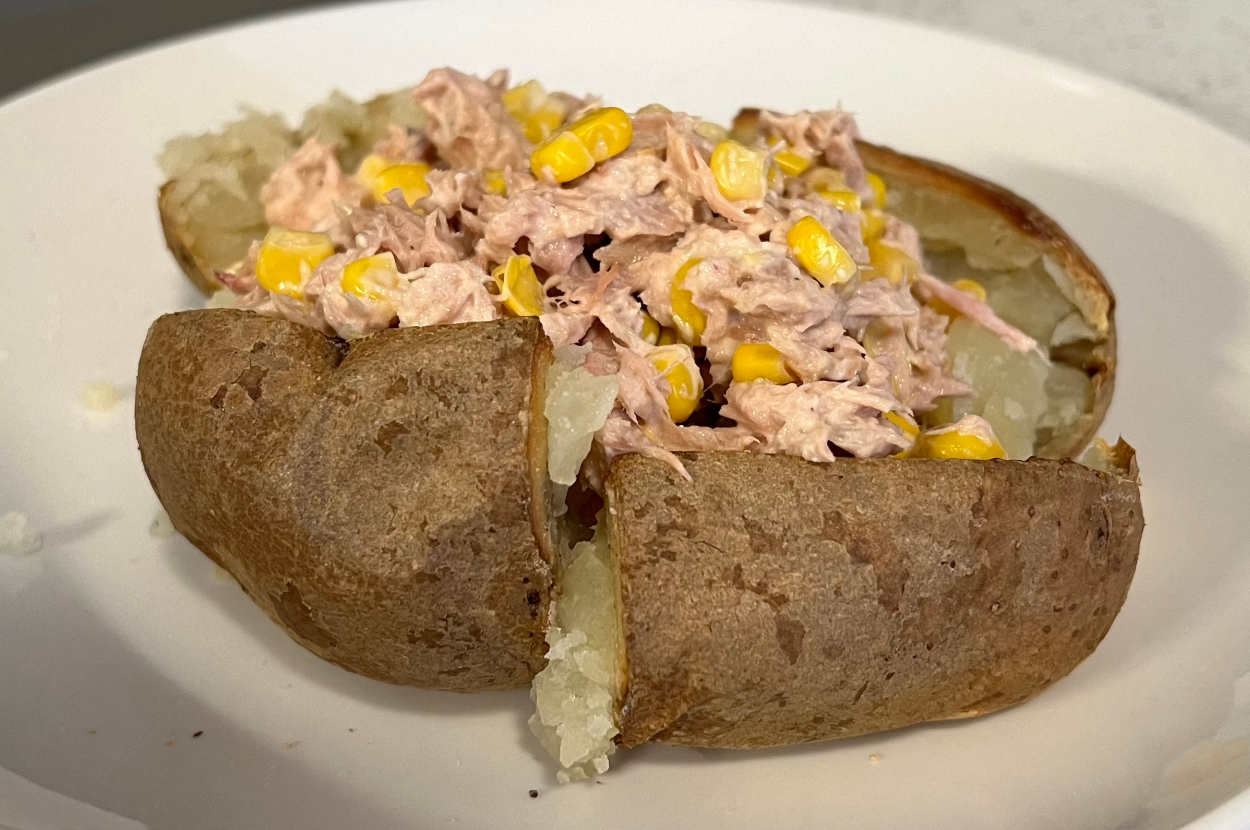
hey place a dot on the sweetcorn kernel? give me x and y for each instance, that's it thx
(841, 199)
(819, 253)
(605, 132)
(952, 444)
(564, 155)
(878, 190)
(904, 423)
(369, 277)
(760, 361)
(686, 387)
(650, 329)
(739, 171)
(409, 179)
(494, 182)
(873, 224)
(519, 287)
(688, 318)
(892, 263)
(791, 163)
(287, 258)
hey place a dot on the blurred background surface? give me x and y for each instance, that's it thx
(1195, 53)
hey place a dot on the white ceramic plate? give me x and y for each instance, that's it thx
(118, 648)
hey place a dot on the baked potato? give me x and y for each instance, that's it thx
(557, 492)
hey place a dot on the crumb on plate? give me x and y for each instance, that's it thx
(101, 396)
(18, 537)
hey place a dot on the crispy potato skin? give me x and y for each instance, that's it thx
(773, 601)
(180, 239)
(378, 507)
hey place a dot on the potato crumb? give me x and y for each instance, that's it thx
(18, 537)
(874, 758)
(161, 526)
(101, 397)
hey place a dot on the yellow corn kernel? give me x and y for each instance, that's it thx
(409, 179)
(953, 444)
(564, 155)
(776, 179)
(524, 98)
(841, 199)
(369, 168)
(712, 132)
(688, 318)
(538, 114)
(971, 287)
(542, 122)
(873, 224)
(494, 182)
(968, 287)
(817, 251)
(288, 257)
(892, 263)
(791, 163)
(759, 361)
(825, 178)
(650, 329)
(686, 387)
(878, 190)
(668, 336)
(739, 171)
(605, 132)
(904, 423)
(519, 287)
(370, 276)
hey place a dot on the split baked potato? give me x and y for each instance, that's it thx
(386, 499)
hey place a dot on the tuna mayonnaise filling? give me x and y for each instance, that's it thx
(747, 289)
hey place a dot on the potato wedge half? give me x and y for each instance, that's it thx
(383, 504)
(773, 601)
(975, 228)
(210, 206)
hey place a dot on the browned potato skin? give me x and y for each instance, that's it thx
(380, 508)
(773, 601)
(180, 239)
